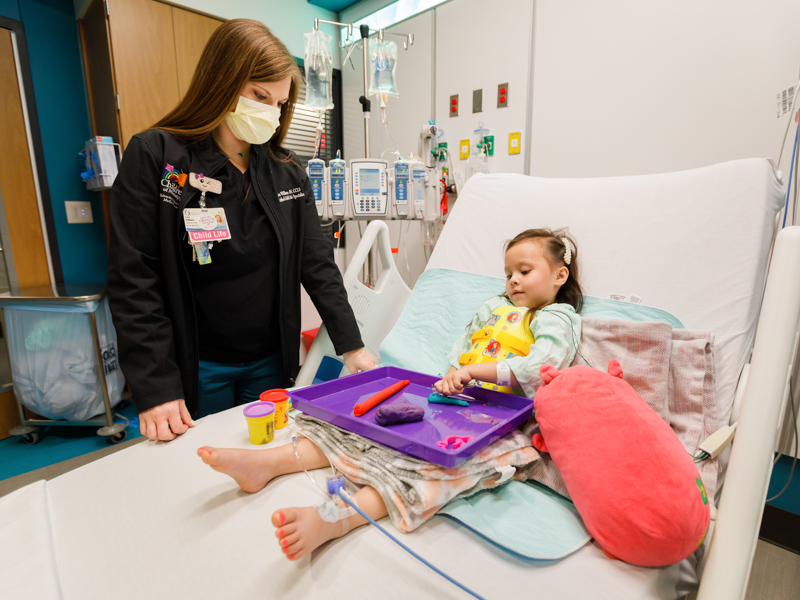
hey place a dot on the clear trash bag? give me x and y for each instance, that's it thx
(53, 362)
(382, 62)
(319, 71)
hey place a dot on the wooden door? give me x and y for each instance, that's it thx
(192, 31)
(23, 221)
(16, 177)
(145, 72)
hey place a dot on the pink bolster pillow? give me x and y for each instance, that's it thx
(633, 483)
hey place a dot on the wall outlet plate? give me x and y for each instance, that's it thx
(477, 101)
(463, 149)
(514, 142)
(79, 212)
(502, 95)
(453, 105)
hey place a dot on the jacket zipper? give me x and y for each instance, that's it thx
(279, 231)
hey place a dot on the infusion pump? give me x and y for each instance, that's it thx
(367, 189)
(370, 185)
(317, 175)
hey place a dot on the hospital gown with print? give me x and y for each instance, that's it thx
(556, 332)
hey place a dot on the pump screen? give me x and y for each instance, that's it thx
(370, 181)
(316, 171)
(337, 171)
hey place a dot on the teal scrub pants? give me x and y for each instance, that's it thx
(223, 386)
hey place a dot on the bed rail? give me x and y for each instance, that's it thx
(376, 309)
(733, 541)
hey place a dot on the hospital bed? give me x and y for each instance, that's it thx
(154, 521)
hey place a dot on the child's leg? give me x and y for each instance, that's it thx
(301, 530)
(253, 469)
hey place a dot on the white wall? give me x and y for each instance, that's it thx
(624, 87)
(481, 45)
(287, 19)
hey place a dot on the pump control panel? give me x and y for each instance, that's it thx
(319, 185)
(370, 188)
(337, 173)
(401, 189)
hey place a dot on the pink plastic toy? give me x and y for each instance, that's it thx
(454, 442)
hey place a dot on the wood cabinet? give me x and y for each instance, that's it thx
(139, 57)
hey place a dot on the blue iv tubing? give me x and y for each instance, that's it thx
(406, 548)
(791, 171)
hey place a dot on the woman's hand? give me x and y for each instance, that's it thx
(358, 360)
(453, 382)
(166, 421)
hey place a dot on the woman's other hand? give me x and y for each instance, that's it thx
(358, 360)
(166, 421)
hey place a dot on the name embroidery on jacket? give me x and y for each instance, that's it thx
(292, 194)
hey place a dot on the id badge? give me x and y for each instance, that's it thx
(206, 225)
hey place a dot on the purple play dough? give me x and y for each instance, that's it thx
(399, 412)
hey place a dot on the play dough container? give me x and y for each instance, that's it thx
(260, 422)
(282, 405)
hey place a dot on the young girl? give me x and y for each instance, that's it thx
(542, 277)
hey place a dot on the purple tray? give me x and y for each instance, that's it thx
(491, 416)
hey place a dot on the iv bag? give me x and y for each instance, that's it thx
(319, 71)
(382, 62)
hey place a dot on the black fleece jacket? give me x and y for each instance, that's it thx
(148, 285)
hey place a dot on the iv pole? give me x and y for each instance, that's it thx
(366, 104)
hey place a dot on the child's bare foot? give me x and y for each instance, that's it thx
(302, 530)
(251, 469)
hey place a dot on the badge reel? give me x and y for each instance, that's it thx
(205, 226)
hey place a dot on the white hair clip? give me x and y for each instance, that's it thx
(567, 251)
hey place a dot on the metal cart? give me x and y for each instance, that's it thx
(77, 292)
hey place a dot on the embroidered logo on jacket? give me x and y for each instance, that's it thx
(172, 184)
(292, 194)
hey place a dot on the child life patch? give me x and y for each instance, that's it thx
(206, 224)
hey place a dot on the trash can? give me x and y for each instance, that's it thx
(63, 353)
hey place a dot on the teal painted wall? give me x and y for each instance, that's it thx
(9, 9)
(51, 33)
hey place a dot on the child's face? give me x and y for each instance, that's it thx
(531, 281)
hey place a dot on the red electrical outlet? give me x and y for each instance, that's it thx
(502, 95)
(454, 105)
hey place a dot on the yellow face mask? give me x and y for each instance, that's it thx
(253, 122)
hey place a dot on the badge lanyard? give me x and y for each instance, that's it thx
(205, 226)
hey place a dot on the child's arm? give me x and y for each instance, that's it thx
(455, 379)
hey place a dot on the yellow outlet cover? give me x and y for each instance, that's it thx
(463, 149)
(514, 142)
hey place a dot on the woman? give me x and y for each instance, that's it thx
(205, 325)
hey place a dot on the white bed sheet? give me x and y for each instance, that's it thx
(694, 243)
(154, 521)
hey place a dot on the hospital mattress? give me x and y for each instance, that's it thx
(154, 521)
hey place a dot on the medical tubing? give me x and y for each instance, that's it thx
(789, 186)
(794, 460)
(796, 172)
(407, 549)
(297, 455)
(788, 125)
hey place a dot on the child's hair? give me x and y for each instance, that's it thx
(552, 243)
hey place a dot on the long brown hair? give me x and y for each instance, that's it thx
(238, 51)
(552, 244)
